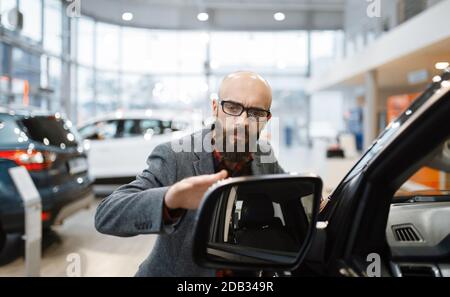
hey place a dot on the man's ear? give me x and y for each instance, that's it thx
(215, 107)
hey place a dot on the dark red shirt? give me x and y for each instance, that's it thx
(241, 168)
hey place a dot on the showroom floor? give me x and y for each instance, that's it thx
(100, 255)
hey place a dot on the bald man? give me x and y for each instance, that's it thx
(164, 198)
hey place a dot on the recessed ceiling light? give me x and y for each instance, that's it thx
(279, 16)
(441, 65)
(127, 16)
(202, 16)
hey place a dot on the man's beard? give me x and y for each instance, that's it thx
(233, 148)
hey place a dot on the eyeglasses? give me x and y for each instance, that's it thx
(236, 109)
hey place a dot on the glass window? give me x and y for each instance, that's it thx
(137, 90)
(131, 128)
(85, 50)
(4, 61)
(9, 130)
(136, 50)
(151, 126)
(100, 130)
(138, 127)
(55, 82)
(25, 73)
(432, 180)
(53, 26)
(192, 51)
(259, 51)
(107, 86)
(107, 46)
(163, 49)
(87, 131)
(32, 18)
(179, 91)
(85, 100)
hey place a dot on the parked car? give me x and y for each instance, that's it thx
(389, 216)
(119, 143)
(50, 149)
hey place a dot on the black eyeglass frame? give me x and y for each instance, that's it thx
(243, 108)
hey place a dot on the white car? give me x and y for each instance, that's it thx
(118, 144)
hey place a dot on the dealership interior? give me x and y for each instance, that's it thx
(95, 85)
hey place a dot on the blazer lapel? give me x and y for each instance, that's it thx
(204, 164)
(257, 167)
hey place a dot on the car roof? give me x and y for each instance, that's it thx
(27, 111)
(155, 114)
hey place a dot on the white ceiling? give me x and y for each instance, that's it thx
(223, 14)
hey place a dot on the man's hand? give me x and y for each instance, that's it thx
(188, 193)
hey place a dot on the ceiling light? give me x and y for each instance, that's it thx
(441, 65)
(202, 16)
(127, 16)
(279, 16)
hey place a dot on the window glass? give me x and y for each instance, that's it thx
(50, 131)
(151, 126)
(9, 130)
(432, 180)
(85, 50)
(32, 18)
(53, 26)
(107, 46)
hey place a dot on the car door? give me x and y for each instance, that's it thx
(100, 139)
(357, 214)
(133, 144)
(418, 228)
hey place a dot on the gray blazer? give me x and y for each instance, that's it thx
(137, 208)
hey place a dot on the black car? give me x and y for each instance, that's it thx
(49, 148)
(389, 216)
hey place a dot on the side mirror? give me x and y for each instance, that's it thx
(258, 222)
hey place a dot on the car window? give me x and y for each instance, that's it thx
(138, 127)
(432, 179)
(419, 217)
(131, 128)
(50, 130)
(10, 133)
(178, 125)
(108, 129)
(151, 126)
(87, 130)
(100, 130)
